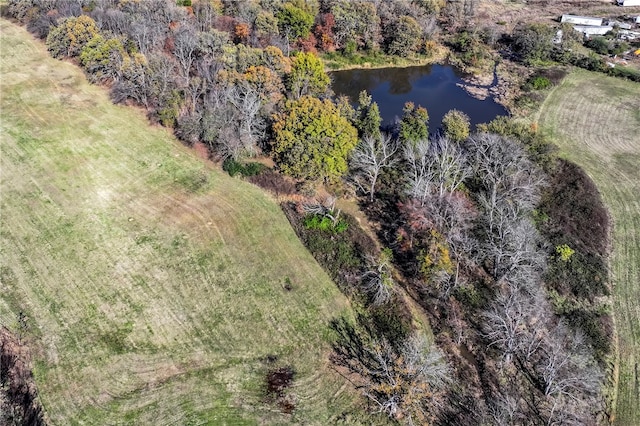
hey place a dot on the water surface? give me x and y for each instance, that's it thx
(431, 86)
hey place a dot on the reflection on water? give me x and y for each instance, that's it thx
(432, 86)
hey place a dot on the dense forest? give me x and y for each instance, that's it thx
(485, 232)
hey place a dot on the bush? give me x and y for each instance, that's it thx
(628, 73)
(469, 296)
(539, 148)
(594, 320)
(576, 223)
(324, 223)
(599, 45)
(341, 253)
(234, 168)
(538, 82)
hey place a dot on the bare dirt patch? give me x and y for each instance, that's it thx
(18, 394)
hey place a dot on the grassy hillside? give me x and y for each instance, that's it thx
(596, 121)
(152, 286)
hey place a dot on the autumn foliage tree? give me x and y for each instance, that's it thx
(455, 125)
(103, 58)
(71, 35)
(312, 140)
(307, 76)
(294, 20)
(404, 37)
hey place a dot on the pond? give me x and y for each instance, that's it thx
(435, 87)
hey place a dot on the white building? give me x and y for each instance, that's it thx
(582, 20)
(637, 19)
(628, 2)
(589, 31)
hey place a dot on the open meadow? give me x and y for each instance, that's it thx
(154, 289)
(595, 120)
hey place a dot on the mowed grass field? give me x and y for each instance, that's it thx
(152, 285)
(595, 120)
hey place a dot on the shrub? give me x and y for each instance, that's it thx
(324, 223)
(341, 253)
(234, 168)
(468, 295)
(538, 82)
(565, 252)
(628, 73)
(599, 45)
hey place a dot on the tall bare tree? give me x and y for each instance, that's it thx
(437, 166)
(371, 156)
(186, 43)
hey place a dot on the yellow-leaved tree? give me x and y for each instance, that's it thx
(312, 140)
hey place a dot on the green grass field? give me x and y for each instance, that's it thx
(595, 120)
(152, 284)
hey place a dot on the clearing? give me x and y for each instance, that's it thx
(595, 120)
(149, 286)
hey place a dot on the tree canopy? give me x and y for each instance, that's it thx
(295, 21)
(455, 125)
(413, 126)
(368, 117)
(312, 140)
(71, 35)
(308, 76)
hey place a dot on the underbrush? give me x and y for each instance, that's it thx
(234, 168)
(536, 88)
(341, 254)
(346, 256)
(572, 214)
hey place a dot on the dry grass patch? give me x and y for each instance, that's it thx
(595, 120)
(152, 284)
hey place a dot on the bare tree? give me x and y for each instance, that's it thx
(436, 167)
(145, 34)
(185, 46)
(571, 377)
(205, 15)
(113, 20)
(133, 82)
(418, 160)
(324, 207)
(505, 176)
(403, 382)
(193, 91)
(370, 157)
(506, 323)
(514, 251)
(160, 74)
(250, 124)
(231, 120)
(377, 281)
(504, 410)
